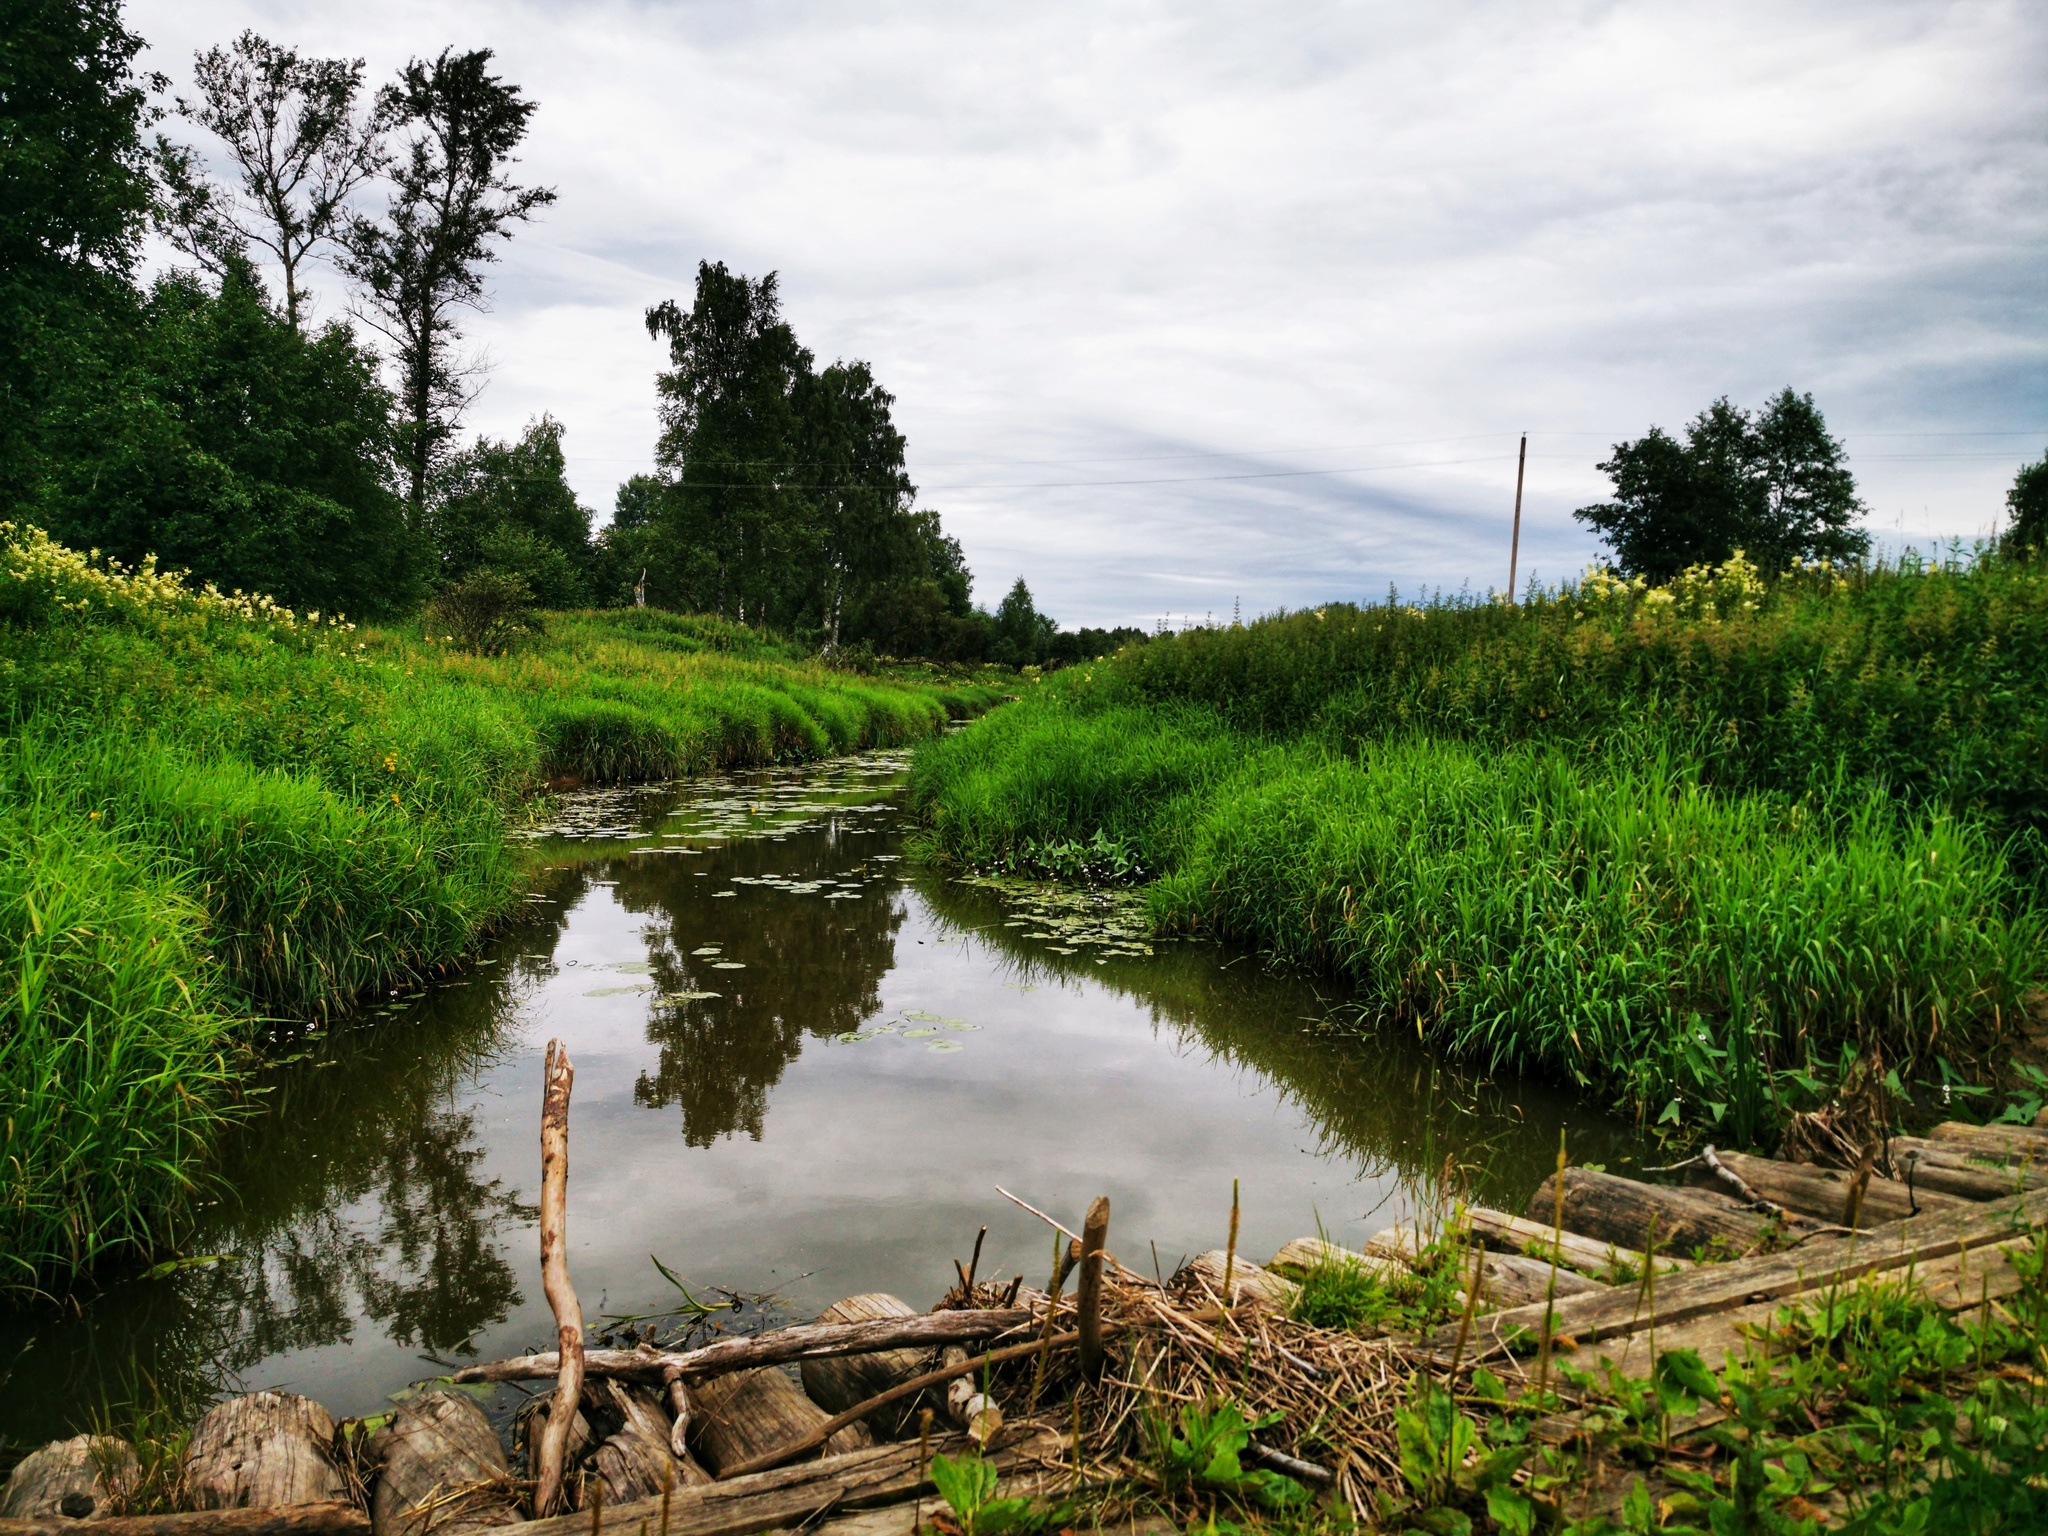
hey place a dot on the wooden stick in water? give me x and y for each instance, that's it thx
(1088, 1298)
(560, 1076)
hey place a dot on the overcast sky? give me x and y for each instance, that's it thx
(1190, 305)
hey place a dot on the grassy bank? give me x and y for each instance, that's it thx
(1669, 844)
(215, 812)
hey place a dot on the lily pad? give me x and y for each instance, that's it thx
(958, 1026)
(728, 965)
(707, 949)
(945, 1045)
(619, 991)
(918, 1034)
(687, 997)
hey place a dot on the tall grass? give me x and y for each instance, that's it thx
(213, 810)
(1640, 874)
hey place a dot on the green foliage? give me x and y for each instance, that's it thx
(1203, 1447)
(212, 808)
(1669, 842)
(2027, 505)
(1773, 484)
(969, 1485)
(486, 612)
(1450, 1469)
(508, 508)
(225, 442)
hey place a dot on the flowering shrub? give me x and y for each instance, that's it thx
(42, 582)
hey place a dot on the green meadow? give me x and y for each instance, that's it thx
(217, 815)
(1683, 845)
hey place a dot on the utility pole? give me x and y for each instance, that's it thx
(1515, 543)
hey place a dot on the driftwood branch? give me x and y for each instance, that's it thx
(285, 1520)
(810, 1341)
(554, 1272)
(1279, 1461)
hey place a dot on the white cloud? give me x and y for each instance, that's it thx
(1156, 244)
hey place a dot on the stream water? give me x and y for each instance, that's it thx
(802, 1068)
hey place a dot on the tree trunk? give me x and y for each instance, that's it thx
(266, 1449)
(1517, 1234)
(1623, 1212)
(1248, 1282)
(837, 1382)
(440, 1466)
(755, 1413)
(636, 1462)
(1823, 1193)
(75, 1479)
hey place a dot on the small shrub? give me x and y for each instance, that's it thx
(486, 613)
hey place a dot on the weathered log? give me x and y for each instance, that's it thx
(261, 1451)
(636, 1461)
(76, 1479)
(810, 1341)
(751, 1414)
(1823, 1193)
(836, 1382)
(788, 1498)
(1248, 1282)
(549, 1464)
(1306, 1253)
(1624, 1212)
(1517, 1234)
(291, 1520)
(440, 1466)
(1514, 1279)
(1819, 1262)
(1955, 1170)
(2007, 1143)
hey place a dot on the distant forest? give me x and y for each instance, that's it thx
(204, 416)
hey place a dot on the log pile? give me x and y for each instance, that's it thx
(806, 1425)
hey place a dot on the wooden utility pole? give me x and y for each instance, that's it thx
(1515, 542)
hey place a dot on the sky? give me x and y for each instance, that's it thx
(1198, 309)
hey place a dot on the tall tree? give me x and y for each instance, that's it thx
(508, 506)
(74, 187)
(739, 514)
(853, 458)
(452, 202)
(299, 148)
(2027, 502)
(1774, 485)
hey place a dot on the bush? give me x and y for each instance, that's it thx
(485, 613)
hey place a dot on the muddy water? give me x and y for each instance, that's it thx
(802, 1069)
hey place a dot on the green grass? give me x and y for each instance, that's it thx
(214, 813)
(1618, 887)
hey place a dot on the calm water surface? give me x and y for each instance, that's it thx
(802, 1069)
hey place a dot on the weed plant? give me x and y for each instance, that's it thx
(1671, 844)
(215, 811)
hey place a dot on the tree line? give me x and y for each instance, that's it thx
(201, 417)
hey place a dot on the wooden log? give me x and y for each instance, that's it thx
(1823, 1193)
(2007, 1143)
(1088, 1294)
(1517, 1234)
(636, 1460)
(1954, 1170)
(1623, 1212)
(788, 1498)
(440, 1467)
(261, 1451)
(1248, 1282)
(784, 1346)
(73, 1479)
(291, 1520)
(1306, 1253)
(757, 1413)
(560, 1077)
(836, 1382)
(1821, 1261)
(1513, 1279)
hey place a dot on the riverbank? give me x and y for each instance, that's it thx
(1681, 845)
(218, 817)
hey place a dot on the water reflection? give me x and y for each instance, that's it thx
(799, 1070)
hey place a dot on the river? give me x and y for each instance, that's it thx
(803, 1066)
